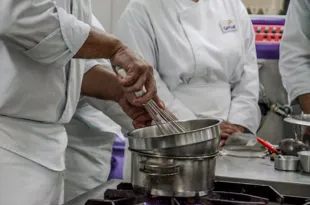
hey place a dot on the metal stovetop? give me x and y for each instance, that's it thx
(248, 189)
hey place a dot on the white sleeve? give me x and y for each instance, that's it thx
(294, 61)
(45, 32)
(93, 62)
(135, 30)
(5, 13)
(244, 108)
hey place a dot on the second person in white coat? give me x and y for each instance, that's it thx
(204, 58)
(91, 135)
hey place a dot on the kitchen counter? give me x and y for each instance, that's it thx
(245, 170)
(261, 171)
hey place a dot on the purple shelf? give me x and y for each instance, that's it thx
(268, 21)
(268, 51)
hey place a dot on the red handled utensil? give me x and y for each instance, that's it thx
(267, 145)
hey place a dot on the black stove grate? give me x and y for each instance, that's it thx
(225, 193)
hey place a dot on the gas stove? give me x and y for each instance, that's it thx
(224, 193)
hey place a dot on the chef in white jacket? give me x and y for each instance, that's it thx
(204, 57)
(294, 61)
(40, 86)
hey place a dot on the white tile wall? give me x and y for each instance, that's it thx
(108, 11)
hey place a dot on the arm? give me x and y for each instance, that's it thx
(90, 63)
(135, 29)
(295, 54)
(244, 108)
(109, 108)
(61, 36)
(102, 84)
(304, 101)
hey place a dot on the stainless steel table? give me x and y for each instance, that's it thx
(261, 171)
(245, 170)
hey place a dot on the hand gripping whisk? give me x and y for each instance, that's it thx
(164, 121)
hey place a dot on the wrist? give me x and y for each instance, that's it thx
(117, 47)
(240, 128)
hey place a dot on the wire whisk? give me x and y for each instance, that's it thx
(166, 123)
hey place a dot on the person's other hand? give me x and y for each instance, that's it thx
(138, 114)
(145, 119)
(139, 74)
(142, 118)
(227, 130)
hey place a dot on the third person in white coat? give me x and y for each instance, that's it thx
(204, 58)
(294, 61)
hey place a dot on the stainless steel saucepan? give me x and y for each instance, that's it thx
(173, 176)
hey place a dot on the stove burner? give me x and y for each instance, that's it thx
(225, 193)
(234, 198)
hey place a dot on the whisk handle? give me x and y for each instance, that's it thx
(121, 72)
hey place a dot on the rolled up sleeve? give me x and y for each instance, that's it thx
(294, 61)
(91, 63)
(244, 108)
(45, 32)
(5, 13)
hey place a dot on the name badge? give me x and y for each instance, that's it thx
(228, 25)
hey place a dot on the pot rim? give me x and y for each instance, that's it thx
(219, 121)
(173, 157)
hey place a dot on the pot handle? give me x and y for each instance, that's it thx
(159, 170)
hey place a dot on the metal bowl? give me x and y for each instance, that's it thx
(286, 163)
(200, 130)
(292, 147)
(305, 160)
(208, 147)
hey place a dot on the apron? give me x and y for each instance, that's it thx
(91, 135)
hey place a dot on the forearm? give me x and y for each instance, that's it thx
(99, 44)
(304, 101)
(102, 84)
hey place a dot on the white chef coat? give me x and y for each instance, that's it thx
(26, 182)
(91, 135)
(203, 54)
(200, 70)
(37, 94)
(5, 15)
(39, 91)
(294, 61)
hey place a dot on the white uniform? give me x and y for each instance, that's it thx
(203, 54)
(91, 135)
(5, 13)
(39, 91)
(295, 50)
